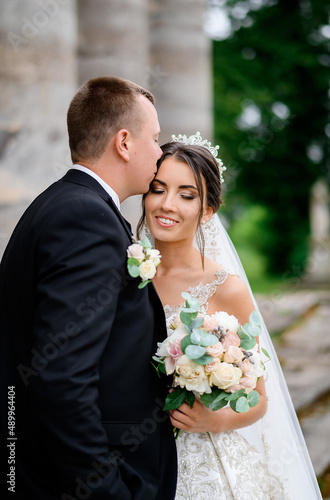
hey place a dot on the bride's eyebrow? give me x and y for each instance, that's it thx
(183, 186)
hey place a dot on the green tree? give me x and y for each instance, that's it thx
(271, 84)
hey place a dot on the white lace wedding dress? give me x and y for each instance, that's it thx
(229, 465)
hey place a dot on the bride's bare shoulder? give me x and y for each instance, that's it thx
(233, 296)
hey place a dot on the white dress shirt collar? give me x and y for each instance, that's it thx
(113, 195)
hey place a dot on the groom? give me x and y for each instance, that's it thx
(81, 410)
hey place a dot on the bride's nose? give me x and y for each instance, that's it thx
(168, 203)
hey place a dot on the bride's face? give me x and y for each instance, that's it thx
(172, 204)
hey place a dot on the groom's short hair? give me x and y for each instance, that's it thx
(100, 108)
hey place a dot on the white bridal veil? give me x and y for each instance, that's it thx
(278, 433)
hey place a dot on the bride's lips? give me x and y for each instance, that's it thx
(165, 221)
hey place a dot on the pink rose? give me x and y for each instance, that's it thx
(233, 354)
(211, 367)
(210, 323)
(248, 383)
(247, 368)
(135, 251)
(173, 348)
(231, 339)
(234, 388)
(215, 350)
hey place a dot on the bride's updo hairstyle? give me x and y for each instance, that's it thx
(204, 168)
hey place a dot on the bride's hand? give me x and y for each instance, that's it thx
(195, 419)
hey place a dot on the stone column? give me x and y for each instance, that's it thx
(38, 79)
(318, 269)
(114, 40)
(181, 66)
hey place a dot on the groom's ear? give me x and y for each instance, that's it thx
(121, 141)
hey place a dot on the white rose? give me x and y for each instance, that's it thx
(191, 375)
(255, 360)
(135, 251)
(154, 255)
(226, 321)
(147, 270)
(225, 375)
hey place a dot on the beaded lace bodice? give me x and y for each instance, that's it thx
(203, 293)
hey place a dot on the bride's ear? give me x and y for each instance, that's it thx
(121, 143)
(208, 212)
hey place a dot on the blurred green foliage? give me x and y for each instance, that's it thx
(271, 109)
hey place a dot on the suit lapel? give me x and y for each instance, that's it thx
(83, 179)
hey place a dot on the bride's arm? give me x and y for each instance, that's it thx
(234, 298)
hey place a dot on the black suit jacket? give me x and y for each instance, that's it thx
(77, 338)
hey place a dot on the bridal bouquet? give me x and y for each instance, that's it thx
(212, 357)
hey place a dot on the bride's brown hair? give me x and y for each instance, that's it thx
(203, 166)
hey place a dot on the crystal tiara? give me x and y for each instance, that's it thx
(197, 140)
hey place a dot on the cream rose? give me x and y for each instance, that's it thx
(191, 376)
(147, 270)
(135, 251)
(233, 355)
(225, 375)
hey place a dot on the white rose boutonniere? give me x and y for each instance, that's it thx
(142, 261)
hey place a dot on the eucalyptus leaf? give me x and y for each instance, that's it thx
(191, 302)
(244, 331)
(186, 318)
(248, 343)
(134, 271)
(253, 398)
(197, 322)
(255, 318)
(133, 262)
(184, 343)
(208, 339)
(145, 243)
(195, 351)
(252, 329)
(196, 336)
(175, 399)
(242, 405)
(204, 360)
(143, 284)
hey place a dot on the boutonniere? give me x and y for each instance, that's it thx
(142, 261)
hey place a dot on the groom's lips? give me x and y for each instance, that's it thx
(166, 221)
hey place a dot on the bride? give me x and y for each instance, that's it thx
(260, 454)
